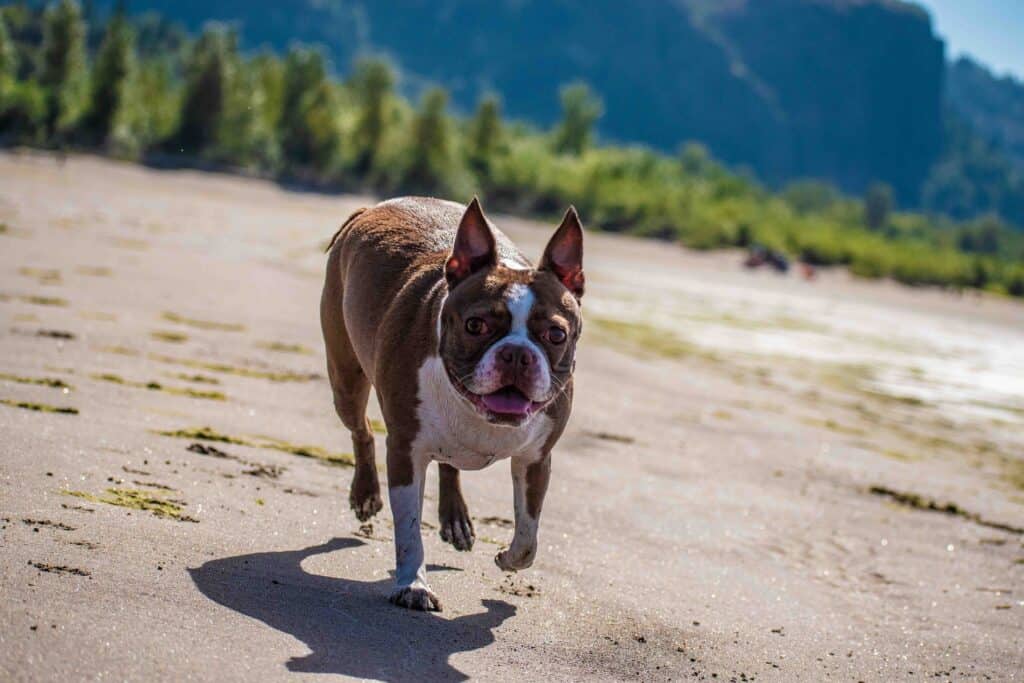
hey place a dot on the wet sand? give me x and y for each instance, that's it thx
(764, 478)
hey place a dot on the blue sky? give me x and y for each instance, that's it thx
(991, 31)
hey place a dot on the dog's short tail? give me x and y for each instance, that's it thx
(348, 221)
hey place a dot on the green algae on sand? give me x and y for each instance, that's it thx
(303, 451)
(52, 382)
(168, 336)
(253, 373)
(285, 347)
(156, 386)
(202, 324)
(135, 499)
(39, 407)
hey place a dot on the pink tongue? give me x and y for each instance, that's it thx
(506, 402)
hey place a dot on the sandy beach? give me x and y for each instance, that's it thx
(764, 478)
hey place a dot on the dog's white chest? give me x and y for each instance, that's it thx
(451, 431)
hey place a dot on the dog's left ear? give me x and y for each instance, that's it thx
(564, 254)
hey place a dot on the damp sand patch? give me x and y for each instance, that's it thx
(240, 371)
(39, 407)
(918, 502)
(133, 499)
(52, 382)
(156, 386)
(215, 325)
(271, 443)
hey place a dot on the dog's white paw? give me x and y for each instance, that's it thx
(513, 560)
(418, 596)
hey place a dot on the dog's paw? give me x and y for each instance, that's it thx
(417, 597)
(364, 496)
(366, 508)
(457, 529)
(511, 561)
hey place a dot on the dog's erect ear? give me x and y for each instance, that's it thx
(474, 246)
(564, 254)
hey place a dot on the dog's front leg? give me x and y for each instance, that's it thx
(529, 484)
(406, 474)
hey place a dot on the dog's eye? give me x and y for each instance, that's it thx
(476, 327)
(556, 335)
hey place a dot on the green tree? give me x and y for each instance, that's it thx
(695, 159)
(485, 137)
(112, 77)
(207, 69)
(581, 110)
(878, 204)
(158, 100)
(63, 74)
(8, 57)
(308, 127)
(430, 155)
(372, 83)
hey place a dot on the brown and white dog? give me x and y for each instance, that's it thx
(471, 351)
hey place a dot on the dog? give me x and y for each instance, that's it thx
(471, 351)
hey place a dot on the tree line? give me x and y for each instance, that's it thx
(141, 88)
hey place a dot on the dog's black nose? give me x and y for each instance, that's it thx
(514, 355)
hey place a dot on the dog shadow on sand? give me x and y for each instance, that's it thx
(349, 625)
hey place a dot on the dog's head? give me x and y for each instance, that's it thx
(508, 332)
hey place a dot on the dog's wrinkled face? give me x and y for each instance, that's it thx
(508, 336)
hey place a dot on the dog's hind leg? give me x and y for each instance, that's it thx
(456, 525)
(351, 389)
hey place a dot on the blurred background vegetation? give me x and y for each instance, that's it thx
(143, 88)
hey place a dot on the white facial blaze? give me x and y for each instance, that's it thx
(519, 299)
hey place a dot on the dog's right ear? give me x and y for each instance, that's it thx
(474, 248)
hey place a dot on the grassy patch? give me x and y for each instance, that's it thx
(378, 426)
(170, 337)
(919, 502)
(834, 426)
(45, 276)
(202, 324)
(94, 271)
(134, 499)
(304, 451)
(648, 339)
(56, 334)
(284, 347)
(198, 379)
(52, 382)
(97, 315)
(156, 386)
(39, 407)
(610, 436)
(38, 300)
(58, 569)
(224, 368)
(119, 350)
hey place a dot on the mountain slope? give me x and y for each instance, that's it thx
(994, 106)
(848, 90)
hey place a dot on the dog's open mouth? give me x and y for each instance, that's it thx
(507, 401)
(508, 404)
